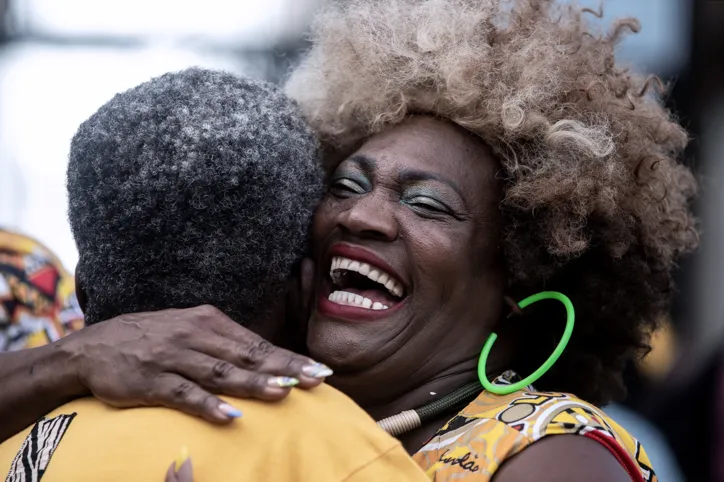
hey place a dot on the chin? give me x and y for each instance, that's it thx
(347, 347)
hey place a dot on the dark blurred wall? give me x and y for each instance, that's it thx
(685, 406)
(4, 20)
(4, 7)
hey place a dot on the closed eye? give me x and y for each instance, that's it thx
(345, 186)
(428, 204)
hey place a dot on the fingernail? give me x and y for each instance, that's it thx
(183, 456)
(229, 411)
(317, 370)
(283, 382)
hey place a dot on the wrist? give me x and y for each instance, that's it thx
(65, 367)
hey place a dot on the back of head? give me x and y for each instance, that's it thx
(196, 187)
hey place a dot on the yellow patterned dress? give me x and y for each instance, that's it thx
(37, 295)
(492, 429)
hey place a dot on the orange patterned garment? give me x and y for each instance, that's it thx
(37, 295)
(492, 429)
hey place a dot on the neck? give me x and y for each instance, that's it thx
(423, 394)
(366, 392)
(433, 391)
(428, 392)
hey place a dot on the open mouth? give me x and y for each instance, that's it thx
(362, 285)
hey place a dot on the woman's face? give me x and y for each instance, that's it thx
(409, 278)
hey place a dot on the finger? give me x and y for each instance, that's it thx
(260, 355)
(174, 391)
(171, 473)
(222, 377)
(181, 470)
(246, 350)
(186, 472)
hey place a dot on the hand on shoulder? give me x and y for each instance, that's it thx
(179, 358)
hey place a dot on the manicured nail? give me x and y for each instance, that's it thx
(317, 370)
(183, 456)
(229, 411)
(283, 382)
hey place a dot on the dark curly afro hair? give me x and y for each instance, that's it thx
(194, 188)
(595, 202)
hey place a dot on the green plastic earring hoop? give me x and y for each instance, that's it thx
(507, 389)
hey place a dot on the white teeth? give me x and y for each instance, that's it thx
(392, 285)
(350, 299)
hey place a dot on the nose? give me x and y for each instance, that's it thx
(370, 216)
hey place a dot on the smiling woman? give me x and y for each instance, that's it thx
(482, 151)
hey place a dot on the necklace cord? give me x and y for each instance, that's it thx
(409, 420)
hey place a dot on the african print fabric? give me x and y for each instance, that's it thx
(493, 428)
(37, 449)
(37, 296)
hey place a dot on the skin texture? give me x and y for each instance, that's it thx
(440, 235)
(585, 460)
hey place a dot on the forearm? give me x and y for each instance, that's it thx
(34, 382)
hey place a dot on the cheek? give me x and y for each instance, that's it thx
(438, 250)
(448, 259)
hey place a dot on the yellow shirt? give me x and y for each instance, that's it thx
(318, 435)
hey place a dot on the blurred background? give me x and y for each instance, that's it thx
(59, 61)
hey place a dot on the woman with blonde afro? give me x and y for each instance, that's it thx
(485, 151)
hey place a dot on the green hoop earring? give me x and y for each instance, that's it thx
(507, 389)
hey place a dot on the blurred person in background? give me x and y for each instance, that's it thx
(197, 188)
(37, 297)
(571, 171)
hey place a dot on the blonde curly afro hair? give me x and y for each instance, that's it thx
(595, 202)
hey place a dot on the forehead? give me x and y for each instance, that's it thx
(435, 146)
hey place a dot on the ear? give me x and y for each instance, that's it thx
(80, 293)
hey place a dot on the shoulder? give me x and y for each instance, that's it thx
(514, 423)
(290, 440)
(562, 459)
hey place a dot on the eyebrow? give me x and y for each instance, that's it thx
(366, 163)
(407, 176)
